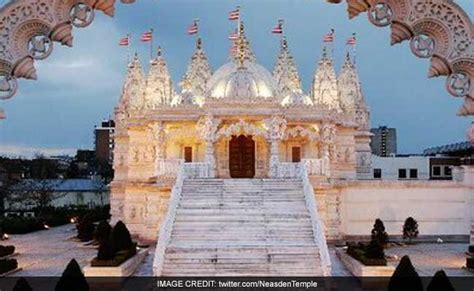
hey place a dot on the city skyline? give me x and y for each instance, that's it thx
(79, 87)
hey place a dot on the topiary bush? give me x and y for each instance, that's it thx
(369, 255)
(405, 277)
(470, 249)
(72, 279)
(374, 250)
(378, 232)
(440, 282)
(7, 265)
(410, 229)
(6, 250)
(121, 237)
(106, 250)
(102, 232)
(85, 228)
(22, 285)
(470, 263)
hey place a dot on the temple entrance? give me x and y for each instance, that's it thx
(242, 157)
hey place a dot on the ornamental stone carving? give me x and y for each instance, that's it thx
(207, 127)
(8, 86)
(242, 127)
(81, 15)
(299, 130)
(277, 127)
(437, 29)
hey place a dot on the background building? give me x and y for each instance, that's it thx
(401, 167)
(384, 141)
(104, 142)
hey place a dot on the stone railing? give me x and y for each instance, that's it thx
(166, 227)
(168, 167)
(318, 167)
(286, 170)
(196, 170)
(317, 223)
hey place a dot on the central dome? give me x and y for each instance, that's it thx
(250, 81)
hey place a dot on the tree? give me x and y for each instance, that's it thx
(440, 282)
(22, 285)
(36, 193)
(410, 229)
(85, 228)
(405, 277)
(379, 233)
(72, 279)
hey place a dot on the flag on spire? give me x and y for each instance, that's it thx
(351, 40)
(278, 29)
(193, 28)
(329, 37)
(125, 41)
(147, 36)
(234, 14)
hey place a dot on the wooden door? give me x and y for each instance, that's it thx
(242, 157)
(296, 154)
(188, 154)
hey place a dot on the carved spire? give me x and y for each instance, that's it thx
(287, 77)
(324, 87)
(285, 71)
(194, 83)
(244, 50)
(350, 93)
(159, 87)
(133, 87)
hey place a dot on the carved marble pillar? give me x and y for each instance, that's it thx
(274, 157)
(207, 128)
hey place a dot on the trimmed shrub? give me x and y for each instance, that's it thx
(121, 237)
(20, 225)
(471, 249)
(470, 262)
(369, 255)
(85, 228)
(106, 250)
(405, 277)
(440, 282)
(6, 250)
(410, 229)
(374, 250)
(8, 265)
(379, 233)
(102, 231)
(22, 285)
(72, 279)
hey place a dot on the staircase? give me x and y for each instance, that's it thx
(242, 227)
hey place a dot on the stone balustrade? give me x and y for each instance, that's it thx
(168, 167)
(197, 170)
(319, 167)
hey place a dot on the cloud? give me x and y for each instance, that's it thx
(11, 150)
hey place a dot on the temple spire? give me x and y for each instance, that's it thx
(287, 77)
(350, 93)
(159, 86)
(194, 82)
(243, 50)
(324, 88)
(133, 87)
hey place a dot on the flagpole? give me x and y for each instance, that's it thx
(238, 21)
(151, 44)
(128, 47)
(197, 28)
(354, 52)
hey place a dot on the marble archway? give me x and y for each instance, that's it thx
(437, 29)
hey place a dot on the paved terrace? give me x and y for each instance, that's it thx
(47, 252)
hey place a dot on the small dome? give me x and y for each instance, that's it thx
(248, 82)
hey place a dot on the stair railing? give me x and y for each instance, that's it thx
(316, 222)
(166, 227)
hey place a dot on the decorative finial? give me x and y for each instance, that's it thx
(325, 52)
(284, 43)
(199, 43)
(158, 53)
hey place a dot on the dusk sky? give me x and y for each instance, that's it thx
(78, 87)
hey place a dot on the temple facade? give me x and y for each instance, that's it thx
(241, 121)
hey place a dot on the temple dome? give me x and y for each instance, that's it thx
(250, 81)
